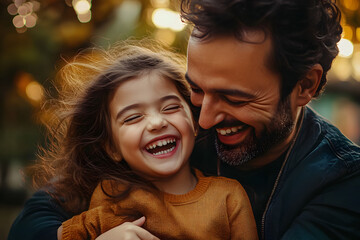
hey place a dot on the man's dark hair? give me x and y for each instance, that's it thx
(304, 32)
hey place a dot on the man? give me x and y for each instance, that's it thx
(253, 66)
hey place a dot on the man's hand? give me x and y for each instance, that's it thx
(128, 231)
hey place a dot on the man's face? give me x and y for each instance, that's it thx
(239, 95)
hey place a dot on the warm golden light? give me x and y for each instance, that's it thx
(352, 5)
(34, 91)
(356, 65)
(84, 17)
(165, 35)
(25, 14)
(30, 20)
(24, 10)
(12, 9)
(166, 18)
(347, 32)
(341, 68)
(358, 34)
(160, 3)
(19, 21)
(346, 48)
(81, 6)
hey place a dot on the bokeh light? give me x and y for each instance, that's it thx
(356, 65)
(83, 10)
(34, 91)
(12, 9)
(166, 18)
(351, 5)
(160, 3)
(342, 68)
(24, 14)
(347, 32)
(346, 48)
(81, 6)
(165, 35)
(18, 21)
(84, 17)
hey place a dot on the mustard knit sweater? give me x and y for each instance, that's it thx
(217, 208)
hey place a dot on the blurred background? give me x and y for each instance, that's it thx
(38, 36)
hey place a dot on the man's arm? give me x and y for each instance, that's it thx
(332, 214)
(39, 219)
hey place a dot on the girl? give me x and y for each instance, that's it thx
(122, 150)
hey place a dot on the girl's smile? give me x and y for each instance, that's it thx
(162, 147)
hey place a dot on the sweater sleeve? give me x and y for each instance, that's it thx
(90, 224)
(241, 218)
(101, 217)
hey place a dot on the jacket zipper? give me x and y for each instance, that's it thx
(279, 175)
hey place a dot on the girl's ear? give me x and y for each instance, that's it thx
(306, 88)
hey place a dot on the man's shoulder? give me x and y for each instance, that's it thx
(343, 148)
(326, 142)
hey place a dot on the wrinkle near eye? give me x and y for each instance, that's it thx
(262, 109)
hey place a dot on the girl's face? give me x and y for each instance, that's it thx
(152, 126)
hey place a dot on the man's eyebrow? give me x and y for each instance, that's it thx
(224, 91)
(189, 80)
(137, 105)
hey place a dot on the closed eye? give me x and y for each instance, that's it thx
(234, 101)
(171, 108)
(132, 118)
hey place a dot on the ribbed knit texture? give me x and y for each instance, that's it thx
(217, 208)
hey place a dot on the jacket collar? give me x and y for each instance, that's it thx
(307, 138)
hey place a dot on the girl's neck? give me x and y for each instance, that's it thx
(180, 183)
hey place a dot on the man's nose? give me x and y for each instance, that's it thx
(210, 113)
(156, 122)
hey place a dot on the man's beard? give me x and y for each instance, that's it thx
(280, 128)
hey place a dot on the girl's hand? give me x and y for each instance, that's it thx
(128, 231)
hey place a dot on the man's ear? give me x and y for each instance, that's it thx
(306, 88)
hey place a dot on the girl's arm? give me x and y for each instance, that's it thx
(91, 223)
(241, 218)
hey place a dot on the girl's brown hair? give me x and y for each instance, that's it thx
(77, 155)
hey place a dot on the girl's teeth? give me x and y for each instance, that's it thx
(160, 143)
(165, 151)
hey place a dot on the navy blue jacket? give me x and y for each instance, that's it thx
(316, 194)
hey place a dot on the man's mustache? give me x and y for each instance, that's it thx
(229, 123)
